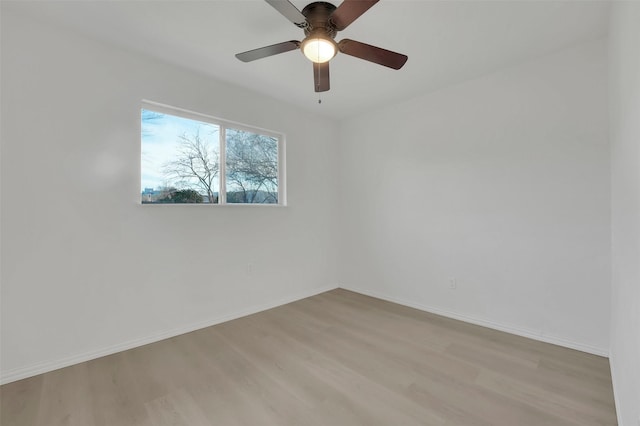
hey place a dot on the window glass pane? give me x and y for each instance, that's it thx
(251, 167)
(180, 159)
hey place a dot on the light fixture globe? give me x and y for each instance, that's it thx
(319, 49)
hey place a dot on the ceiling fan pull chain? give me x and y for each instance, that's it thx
(317, 64)
(318, 83)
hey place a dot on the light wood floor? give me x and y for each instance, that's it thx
(338, 358)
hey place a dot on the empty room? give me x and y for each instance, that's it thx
(361, 212)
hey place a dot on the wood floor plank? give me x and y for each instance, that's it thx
(65, 398)
(115, 400)
(560, 405)
(176, 409)
(19, 401)
(339, 359)
(550, 382)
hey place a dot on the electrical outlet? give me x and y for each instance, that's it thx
(452, 283)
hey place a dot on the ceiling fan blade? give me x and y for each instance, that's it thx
(321, 77)
(289, 11)
(263, 52)
(372, 53)
(349, 11)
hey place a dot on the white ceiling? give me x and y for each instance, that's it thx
(446, 41)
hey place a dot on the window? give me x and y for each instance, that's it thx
(193, 158)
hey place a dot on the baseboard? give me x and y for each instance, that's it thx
(32, 370)
(535, 335)
(44, 367)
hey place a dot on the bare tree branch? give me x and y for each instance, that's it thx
(252, 166)
(196, 166)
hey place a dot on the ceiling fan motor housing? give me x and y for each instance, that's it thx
(318, 17)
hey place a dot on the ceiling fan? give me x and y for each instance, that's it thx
(321, 21)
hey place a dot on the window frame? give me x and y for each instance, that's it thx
(223, 126)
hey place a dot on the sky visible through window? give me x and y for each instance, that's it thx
(161, 134)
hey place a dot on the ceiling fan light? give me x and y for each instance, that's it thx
(318, 49)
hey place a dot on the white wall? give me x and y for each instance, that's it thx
(625, 187)
(501, 182)
(87, 270)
